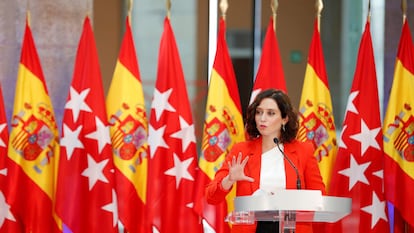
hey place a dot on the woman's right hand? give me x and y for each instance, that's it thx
(236, 171)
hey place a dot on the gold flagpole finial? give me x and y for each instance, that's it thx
(319, 7)
(88, 7)
(223, 7)
(28, 12)
(28, 17)
(274, 4)
(404, 8)
(130, 4)
(369, 11)
(168, 5)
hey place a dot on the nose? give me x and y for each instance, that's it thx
(262, 117)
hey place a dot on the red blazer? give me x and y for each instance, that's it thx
(300, 153)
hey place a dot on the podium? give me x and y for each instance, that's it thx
(288, 207)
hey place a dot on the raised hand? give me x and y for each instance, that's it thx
(236, 169)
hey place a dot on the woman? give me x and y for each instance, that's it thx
(257, 165)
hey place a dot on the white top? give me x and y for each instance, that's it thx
(272, 173)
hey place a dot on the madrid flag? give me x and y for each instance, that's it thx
(223, 127)
(85, 197)
(8, 222)
(315, 109)
(33, 146)
(173, 154)
(129, 129)
(399, 132)
(358, 169)
(270, 73)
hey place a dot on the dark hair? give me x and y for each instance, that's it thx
(286, 109)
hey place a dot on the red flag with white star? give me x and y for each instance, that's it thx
(85, 198)
(172, 142)
(358, 170)
(270, 73)
(7, 220)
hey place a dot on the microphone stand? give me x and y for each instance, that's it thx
(298, 183)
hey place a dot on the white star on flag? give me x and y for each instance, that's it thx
(180, 170)
(350, 107)
(186, 134)
(3, 172)
(94, 171)
(5, 210)
(376, 209)
(101, 135)
(2, 127)
(254, 94)
(355, 172)
(160, 102)
(70, 140)
(379, 174)
(77, 102)
(156, 139)
(367, 137)
(341, 142)
(112, 207)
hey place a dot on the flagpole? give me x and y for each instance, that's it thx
(404, 9)
(369, 11)
(130, 4)
(168, 6)
(28, 12)
(319, 7)
(223, 7)
(274, 4)
(28, 17)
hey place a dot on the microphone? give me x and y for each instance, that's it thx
(298, 183)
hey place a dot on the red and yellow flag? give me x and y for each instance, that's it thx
(270, 73)
(398, 132)
(315, 109)
(129, 131)
(33, 146)
(223, 127)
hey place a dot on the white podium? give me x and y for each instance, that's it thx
(288, 207)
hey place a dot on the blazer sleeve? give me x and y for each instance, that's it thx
(214, 192)
(312, 175)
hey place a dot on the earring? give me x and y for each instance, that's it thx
(283, 128)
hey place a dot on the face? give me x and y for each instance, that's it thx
(268, 118)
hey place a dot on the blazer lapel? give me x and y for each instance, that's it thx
(253, 165)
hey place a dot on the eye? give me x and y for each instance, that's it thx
(258, 112)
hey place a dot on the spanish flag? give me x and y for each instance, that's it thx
(33, 146)
(398, 129)
(129, 132)
(315, 109)
(223, 127)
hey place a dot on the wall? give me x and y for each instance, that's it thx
(56, 28)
